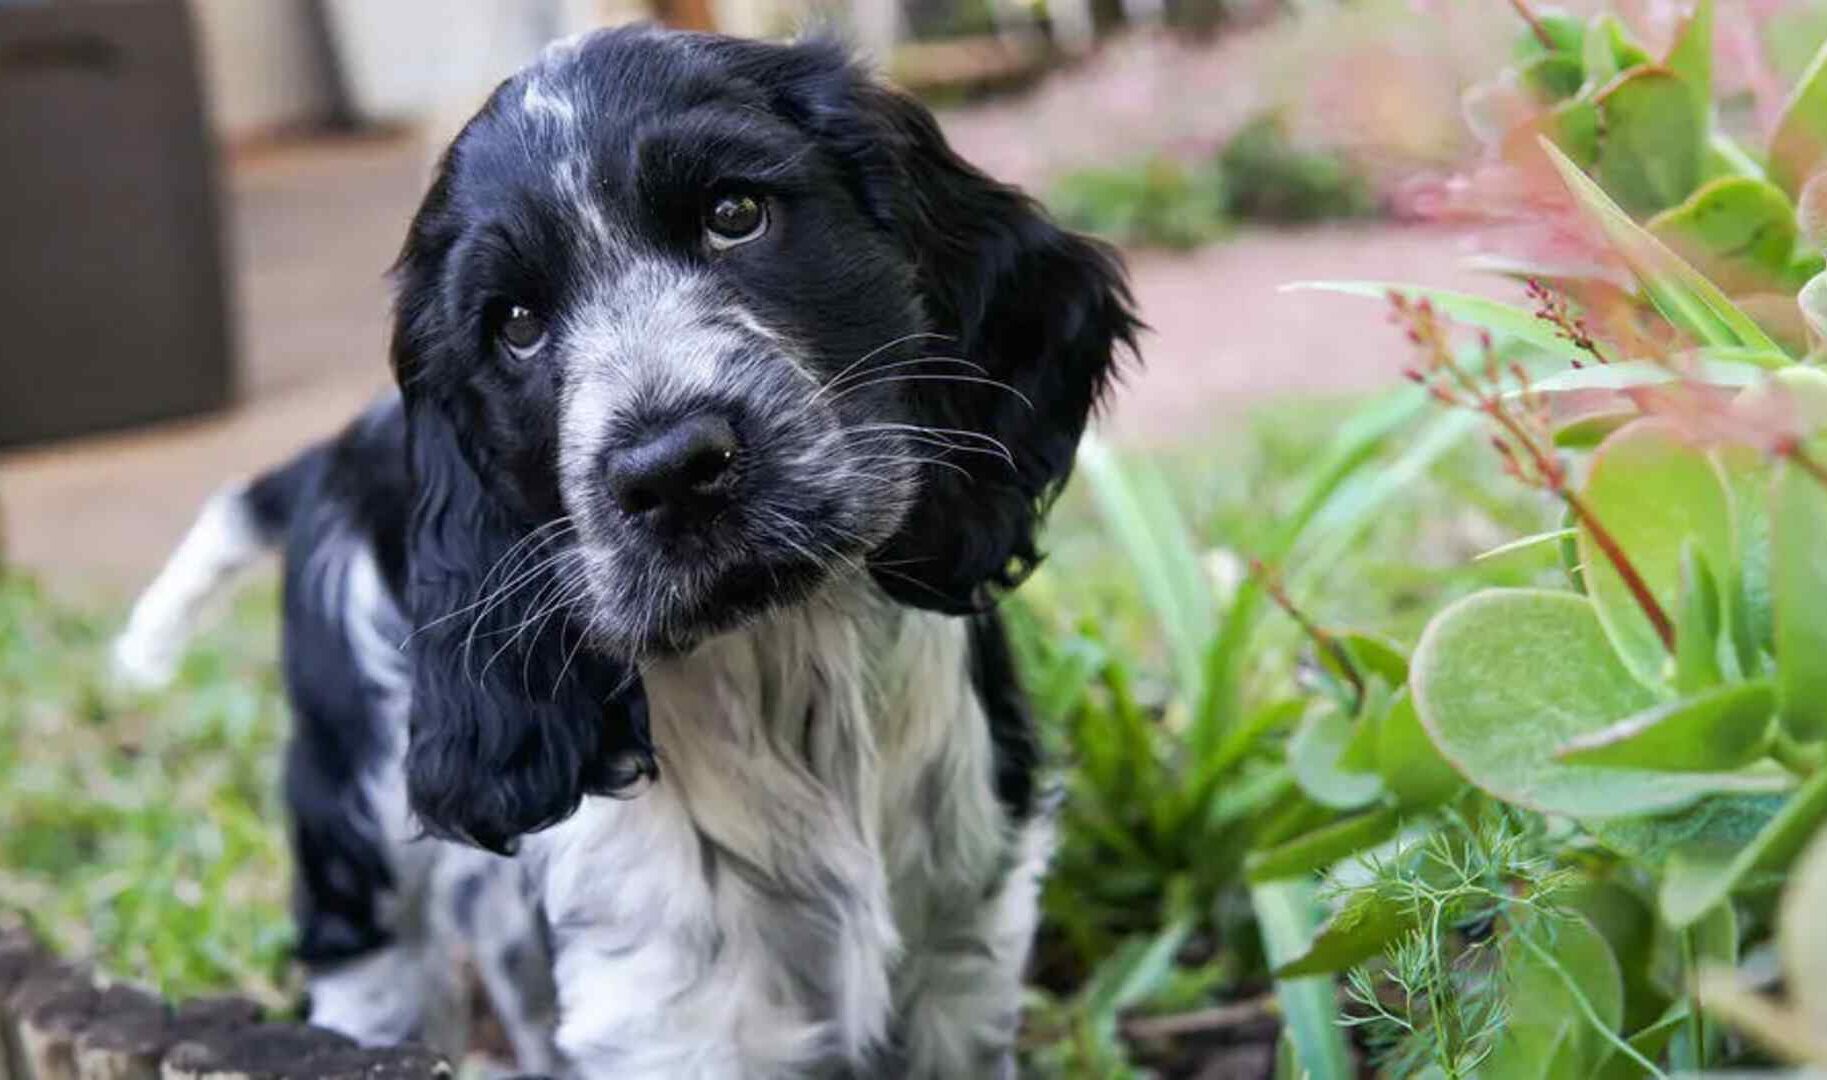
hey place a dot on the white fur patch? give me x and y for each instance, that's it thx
(223, 541)
(821, 858)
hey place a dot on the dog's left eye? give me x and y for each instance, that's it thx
(522, 331)
(734, 218)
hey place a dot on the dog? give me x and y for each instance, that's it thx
(644, 647)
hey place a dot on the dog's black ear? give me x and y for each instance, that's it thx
(514, 720)
(1041, 310)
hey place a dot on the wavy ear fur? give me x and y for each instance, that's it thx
(1041, 309)
(513, 723)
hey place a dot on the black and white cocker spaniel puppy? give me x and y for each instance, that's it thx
(644, 647)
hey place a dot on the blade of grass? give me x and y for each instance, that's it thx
(1287, 917)
(1136, 505)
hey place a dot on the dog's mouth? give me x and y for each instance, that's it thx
(670, 603)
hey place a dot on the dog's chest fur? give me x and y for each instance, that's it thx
(823, 844)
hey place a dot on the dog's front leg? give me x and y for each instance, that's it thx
(658, 969)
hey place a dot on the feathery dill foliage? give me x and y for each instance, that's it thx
(1438, 994)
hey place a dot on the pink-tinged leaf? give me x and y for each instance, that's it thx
(1798, 149)
(1683, 295)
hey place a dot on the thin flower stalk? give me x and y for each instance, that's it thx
(1521, 441)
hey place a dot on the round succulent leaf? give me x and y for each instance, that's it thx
(1505, 677)
(1651, 490)
(1803, 934)
(1650, 840)
(1736, 230)
(1626, 919)
(1651, 150)
(1413, 771)
(1798, 579)
(1541, 956)
(1716, 730)
(1315, 753)
(1702, 871)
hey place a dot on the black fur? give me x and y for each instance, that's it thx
(506, 738)
(330, 499)
(998, 687)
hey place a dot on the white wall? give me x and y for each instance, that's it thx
(261, 67)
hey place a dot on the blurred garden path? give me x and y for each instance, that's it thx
(314, 227)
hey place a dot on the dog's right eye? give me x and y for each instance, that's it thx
(523, 332)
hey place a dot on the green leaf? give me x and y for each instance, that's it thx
(1356, 932)
(1566, 33)
(1373, 654)
(1697, 624)
(1651, 490)
(1140, 511)
(1501, 319)
(1573, 125)
(1740, 232)
(1749, 371)
(1681, 293)
(1650, 148)
(1504, 677)
(1564, 984)
(1691, 58)
(1803, 937)
(1798, 149)
(1650, 841)
(1716, 730)
(1552, 77)
(1627, 921)
(1286, 916)
(1324, 846)
(1747, 583)
(1144, 969)
(1798, 577)
(1413, 770)
(1625, 52)
(1598, 54)
(1313, 756)
(1524, 543)
(1586, 432)
(1702, 872)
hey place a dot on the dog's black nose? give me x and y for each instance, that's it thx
(678, 474)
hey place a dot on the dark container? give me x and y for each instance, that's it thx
(113, 302)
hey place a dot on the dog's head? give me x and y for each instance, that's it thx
(688, 325)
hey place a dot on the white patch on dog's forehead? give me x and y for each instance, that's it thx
(554, 121)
